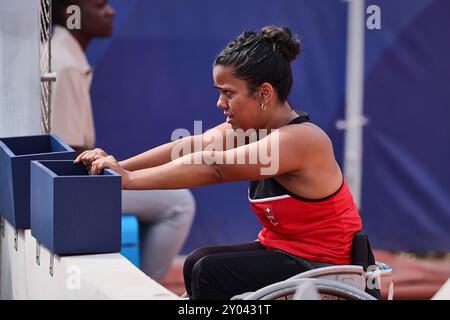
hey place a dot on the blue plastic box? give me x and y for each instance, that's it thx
(15, 156)
(130, 239)
(73, 212)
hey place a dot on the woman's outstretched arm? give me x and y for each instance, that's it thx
(161, 154)
(257, 160)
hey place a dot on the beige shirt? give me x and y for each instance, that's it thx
(71, 110)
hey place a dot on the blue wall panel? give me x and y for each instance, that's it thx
(406, 184)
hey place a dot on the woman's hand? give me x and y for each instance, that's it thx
(89, 156)
(110, 162)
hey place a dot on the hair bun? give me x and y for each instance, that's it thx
(283, 41)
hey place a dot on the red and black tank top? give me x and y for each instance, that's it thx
(318, 230)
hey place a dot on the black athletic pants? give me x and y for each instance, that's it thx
(222, 272)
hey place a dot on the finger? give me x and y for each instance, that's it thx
(94, 168)
(84, 154)
(101, 166)
(97, 168)
(91, 169)
(87, 163)
(80, 156)
(101, 152)
(90, 157)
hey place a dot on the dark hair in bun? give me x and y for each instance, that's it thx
(282, 41)
(263, 56)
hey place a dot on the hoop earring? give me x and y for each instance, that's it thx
(263, 107)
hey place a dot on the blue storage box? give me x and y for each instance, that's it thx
(15, 156)
(73, 212)
(130, 239)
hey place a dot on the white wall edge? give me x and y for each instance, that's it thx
(96, 277)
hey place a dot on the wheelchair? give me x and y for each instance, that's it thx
(358, 281)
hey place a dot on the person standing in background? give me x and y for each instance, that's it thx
(165, 216)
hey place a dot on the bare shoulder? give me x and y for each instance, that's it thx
(306, 134)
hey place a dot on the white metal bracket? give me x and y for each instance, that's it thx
(352, 123)
(2, 226)
(51, 269)
(16, 239)
(38, 253)
(48, 77)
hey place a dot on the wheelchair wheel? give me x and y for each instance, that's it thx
(326, 287)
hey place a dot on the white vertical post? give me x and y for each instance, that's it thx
(19, 68)
(354, 98)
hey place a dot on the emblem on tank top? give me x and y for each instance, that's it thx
(269, 214)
